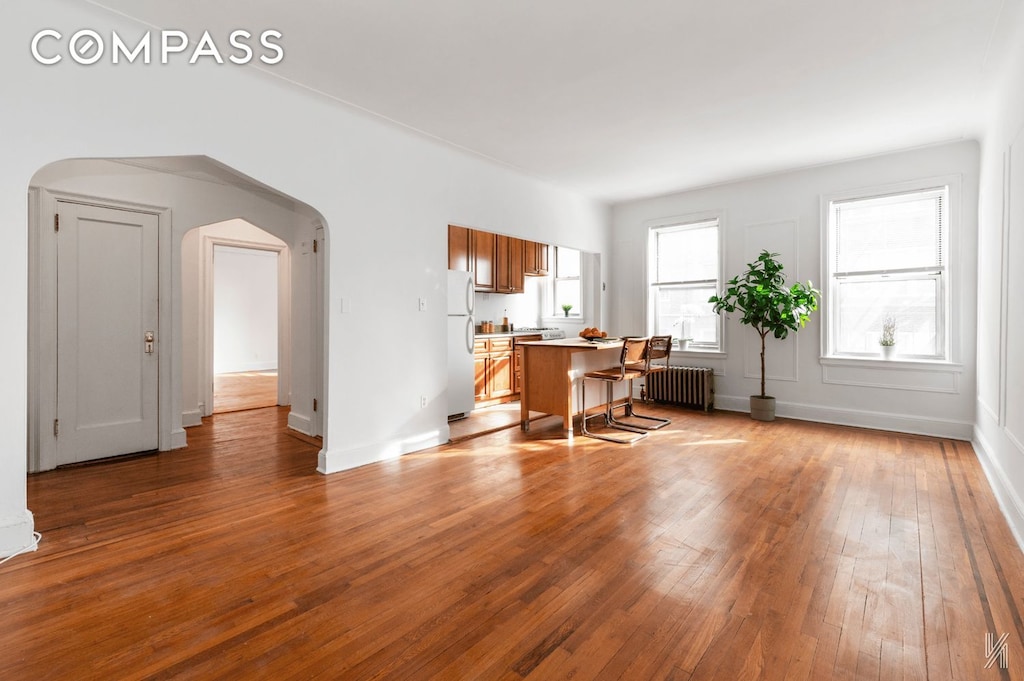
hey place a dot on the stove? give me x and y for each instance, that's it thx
(546, 332)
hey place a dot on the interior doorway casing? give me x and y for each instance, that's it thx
(284, 319)
(42, 389)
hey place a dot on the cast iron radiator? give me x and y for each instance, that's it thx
(688, 386)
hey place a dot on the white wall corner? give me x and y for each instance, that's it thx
(190, 419)
(16, 534)
(300, 422)
(899, 423)
(336, 460)
(1009, 502)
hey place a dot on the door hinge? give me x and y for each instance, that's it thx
(56, 222)
(314, 404)
(56, 427)
(315, 246)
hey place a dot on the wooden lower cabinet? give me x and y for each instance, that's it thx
(517, 362)
(494, 365)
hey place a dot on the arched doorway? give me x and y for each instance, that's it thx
(177, 194)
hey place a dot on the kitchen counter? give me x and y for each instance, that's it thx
(579, 343)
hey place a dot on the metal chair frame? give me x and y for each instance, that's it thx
(658, 348)
(633, 351)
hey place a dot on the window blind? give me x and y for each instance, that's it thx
(895, 232)
(686, 253)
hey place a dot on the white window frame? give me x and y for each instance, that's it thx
(947, 314)
(555, 312)
(689, 221)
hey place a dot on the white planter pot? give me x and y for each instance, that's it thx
(888, 351)
(762, 408)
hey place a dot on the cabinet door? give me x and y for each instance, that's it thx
(483, 260)
(542, 259)
(459, 247)
(530, 257)
(500, 370)
(515, 265)
(480, 379)
(502, 273)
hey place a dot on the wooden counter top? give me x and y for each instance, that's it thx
(578, 343)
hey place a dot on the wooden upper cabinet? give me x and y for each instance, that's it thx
(515, 265)
(460, 248)
(542, 258)
(508, 264)
(498, 262)
(535, 258)
(483, 252)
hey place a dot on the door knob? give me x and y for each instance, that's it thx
(149, 342)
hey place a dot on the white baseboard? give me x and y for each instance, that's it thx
(179, 440)
(1009, 501)
(300, 422)
(16, 534)
(190, 419)
(335, 460)
(900, 423)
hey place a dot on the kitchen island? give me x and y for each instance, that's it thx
(551, 371)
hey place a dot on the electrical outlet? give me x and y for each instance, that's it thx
(423, 304)
(423, 401)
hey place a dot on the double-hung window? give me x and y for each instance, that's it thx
(566, 287)
(888, 258)
(683, 272)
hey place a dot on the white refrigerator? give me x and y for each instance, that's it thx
(461, 330)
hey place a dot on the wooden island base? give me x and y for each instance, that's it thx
(551, 372)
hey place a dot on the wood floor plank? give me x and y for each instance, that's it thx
(716, 548)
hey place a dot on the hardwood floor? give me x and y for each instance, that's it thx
(717, 548)
(244, 390)
(486, 420)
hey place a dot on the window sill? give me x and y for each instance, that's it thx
(698, 353)
(905, 363)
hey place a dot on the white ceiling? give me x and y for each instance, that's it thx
(621, 100)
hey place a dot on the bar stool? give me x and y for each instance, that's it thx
(633, 351)
(658, 349)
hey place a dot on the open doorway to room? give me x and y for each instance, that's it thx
(245, 328)
(246, 309)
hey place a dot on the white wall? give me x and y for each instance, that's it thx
(999, 433)
(783, 213)
(244, 310)
(522, 309)
(386, 195)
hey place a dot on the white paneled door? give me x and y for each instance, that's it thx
(106, 332)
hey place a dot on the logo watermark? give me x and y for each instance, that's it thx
(87, 47)
(996, 651)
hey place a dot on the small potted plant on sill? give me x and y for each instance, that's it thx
(684, 343)
(887, 341)
(566, 307)
(769, 306)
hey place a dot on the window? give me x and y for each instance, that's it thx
(683, 274)
(566, 287)
(887, 257)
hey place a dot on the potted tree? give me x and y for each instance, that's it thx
(761, 296)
